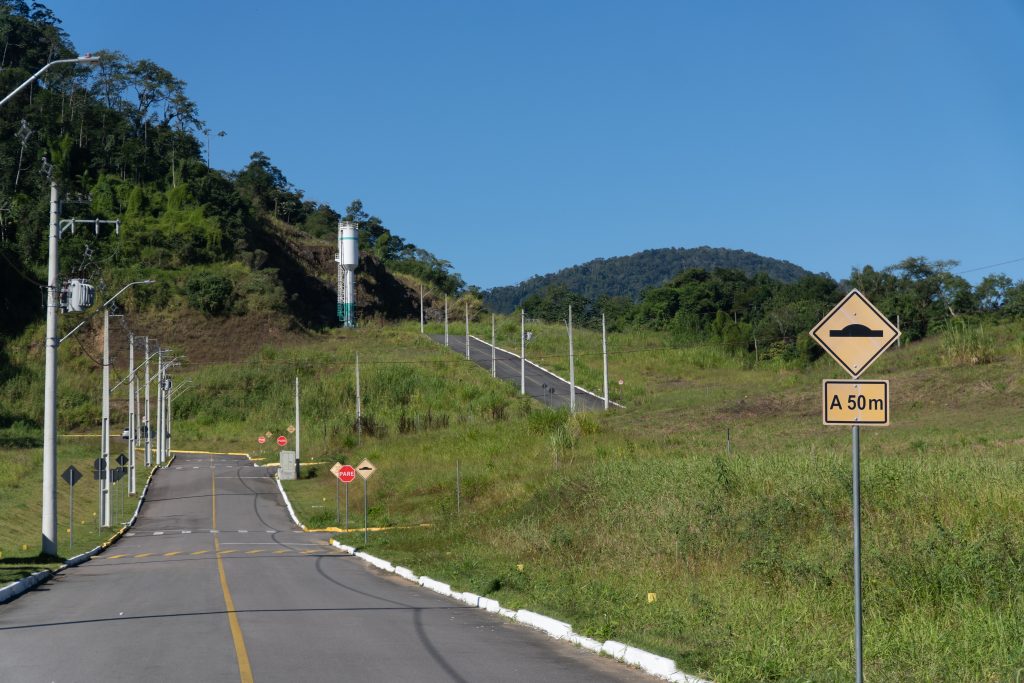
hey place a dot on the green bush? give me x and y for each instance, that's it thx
(210, 293)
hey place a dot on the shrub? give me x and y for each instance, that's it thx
(210, 293)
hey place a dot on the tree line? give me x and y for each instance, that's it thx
(757, 313)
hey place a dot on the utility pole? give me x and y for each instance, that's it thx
(421, 309)
(49, 527)
(446, 321)
(149, 428)
(105, 425)
(298, 428)
(604, 352)
(132, 416)
(467, 329)
(572, 369)
(159, 406)
(359, 403)
(494, 353)
(522, 352)
(167, 419)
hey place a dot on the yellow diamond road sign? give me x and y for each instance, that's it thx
(855, 333)
(366, 469)
(336, 468)
(291, 429)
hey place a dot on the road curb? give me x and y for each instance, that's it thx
(541, 367)
(288, 504)
(655, 665)
(22, 586)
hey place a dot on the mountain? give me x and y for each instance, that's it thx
(630, 275)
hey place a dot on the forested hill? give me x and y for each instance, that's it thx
(629, 275)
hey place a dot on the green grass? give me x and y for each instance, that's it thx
(748, 552)
(21, 505)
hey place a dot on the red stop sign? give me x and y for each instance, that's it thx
(261, 439)
(282, 441)
(347, 473)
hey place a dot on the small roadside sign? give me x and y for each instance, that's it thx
(855, 333)
(855, 402)
(99, 468)
(71, 475)
(261, 439)
(335, 468)
(366, 469)
(122, 460)
(346, 474)
(282, 441)
(269, 434)
(116, 474)
(291, 429)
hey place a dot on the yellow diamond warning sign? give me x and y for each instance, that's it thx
(855, 402)
(855, 333)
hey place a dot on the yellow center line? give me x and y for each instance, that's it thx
(224, 552)
(280, 552)
(172, 554)
(307, 552)
(143, 554)
(200, 552)
(244, 668)
(253, 552)
(117, 557)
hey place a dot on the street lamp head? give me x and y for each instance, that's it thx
(89, 58)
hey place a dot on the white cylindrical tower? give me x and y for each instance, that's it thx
(348, 261)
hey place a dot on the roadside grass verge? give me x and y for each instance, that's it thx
(21, 505)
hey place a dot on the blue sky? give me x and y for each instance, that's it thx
(522, 137)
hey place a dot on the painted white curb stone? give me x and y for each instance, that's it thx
(407, 574)
(656, 665)
(288, 504)
(584, 642)
(553, 627)
(436, 586)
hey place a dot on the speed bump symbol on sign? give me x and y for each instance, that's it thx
(855, 402)
(855, 333)
(366, 469)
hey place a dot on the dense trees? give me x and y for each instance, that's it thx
(122, 139)
(740, 310)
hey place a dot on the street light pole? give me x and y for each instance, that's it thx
(49, 512)
(149, 429)
(49, 540)
(105, 424)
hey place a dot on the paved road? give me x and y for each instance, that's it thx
(214, 583)
(540, 384)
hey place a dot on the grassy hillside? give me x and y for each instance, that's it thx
(747, 550)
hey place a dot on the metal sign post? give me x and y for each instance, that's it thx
(366, 470)
(71, 475)
(855, 334)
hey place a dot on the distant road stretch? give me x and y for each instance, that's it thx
(542, 385)
(215, 583)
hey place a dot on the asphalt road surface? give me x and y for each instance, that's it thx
(542, 385)
(215, 583)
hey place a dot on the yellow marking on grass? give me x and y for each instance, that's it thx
(241, 654)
